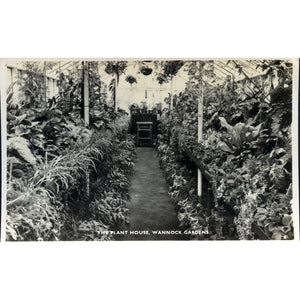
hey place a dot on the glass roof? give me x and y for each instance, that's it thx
(237, 68)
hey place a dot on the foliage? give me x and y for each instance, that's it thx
(49, 154)
(116, 68)
(240, 136)
(169, 70)
(161, 78)
(246, 149)
(130, 79)
(32, 84)
(172, 67)
(70, 93)
(280, 68)
(92, 231)
(70, 97)
(193, 214)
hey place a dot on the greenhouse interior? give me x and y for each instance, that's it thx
(101, 150)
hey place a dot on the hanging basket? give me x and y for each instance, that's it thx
(130, 79)
(146, 71)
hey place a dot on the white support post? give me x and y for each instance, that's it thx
(45, 80)
(86, 94)
(200, 135)
(171, 103)
(86, 115)
(116, 92)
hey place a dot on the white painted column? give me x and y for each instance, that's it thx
(171, 103)
(86, 94)
(116, 93)
(200, 135)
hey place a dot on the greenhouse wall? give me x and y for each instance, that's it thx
(14, 70)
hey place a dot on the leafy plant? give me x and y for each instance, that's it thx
(241, 135)
(130, 79)
(116, 68)
(247, 158)
(50, 153)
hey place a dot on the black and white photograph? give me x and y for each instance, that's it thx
(158, 149)
(149, 150)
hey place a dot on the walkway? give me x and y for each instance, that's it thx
(150, 207)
